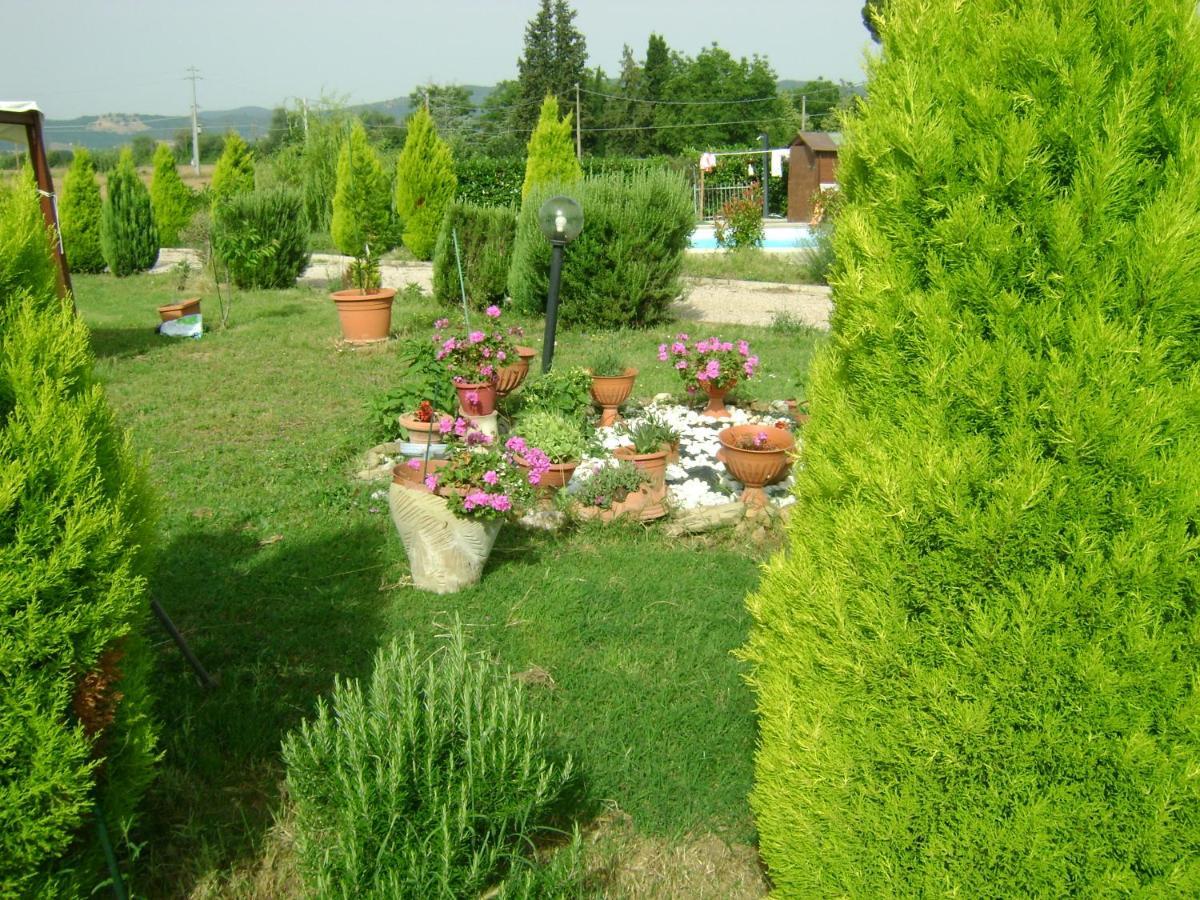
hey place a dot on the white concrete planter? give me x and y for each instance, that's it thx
(445, 552)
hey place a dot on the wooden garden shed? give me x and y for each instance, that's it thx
(812, 166)
(21, 123)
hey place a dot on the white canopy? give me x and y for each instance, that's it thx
(16, 133)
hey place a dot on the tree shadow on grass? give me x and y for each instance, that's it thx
(274, 624)
(121, 342)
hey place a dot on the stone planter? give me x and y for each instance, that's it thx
(365, 316)
(756, 468)
(446, 553)
(610, 392)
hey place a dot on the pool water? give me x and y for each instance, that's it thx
(778, 237)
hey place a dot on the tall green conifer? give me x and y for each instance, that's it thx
(550, 155)
(79, 215)
(976, 659)
(127, 231)
(234, 172)
(425, 184)
(170, 197)
(362, 215)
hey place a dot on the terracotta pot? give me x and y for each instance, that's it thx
(798, 411)
(420, 432)
(189, 307)
(756, 468)
(446, 553)
(484, 403)
(644, 504)
(716, 401)
(512, 376)
(673, 453)
(609, 392)
(366, 318)
(404, 474)
(556, 477)
(654, 466)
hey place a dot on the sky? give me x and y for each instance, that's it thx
(102, 56)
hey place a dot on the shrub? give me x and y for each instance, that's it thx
(234, 172)
(128, 235)
(550, 156)
(79, 215)
(425, 184)
(563, 391)
(75, 722)
(489, 180)
(262, 238)
(362, 216)
(623, 269)
(430, 781)
(169, 197)
(975, 663)
(485, 242)
(740, 224)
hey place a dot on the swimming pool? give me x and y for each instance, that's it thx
(778, 237)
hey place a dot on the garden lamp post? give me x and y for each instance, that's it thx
(561, 220)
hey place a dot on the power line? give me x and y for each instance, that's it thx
(680, 102)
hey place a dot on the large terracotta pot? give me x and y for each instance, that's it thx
(446, 553)
(189, 307)
(756, 468)
(555, 477)
(420, 432)
(366, 317)
(609, 392)
(513, 376)
(654, 467)
(477, 399)
(716, 401)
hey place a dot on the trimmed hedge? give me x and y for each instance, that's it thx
(976, 659)
(75, 721)
(485, 242)
(623, 269)
(128, 235)
(262, 237)
(79, 215)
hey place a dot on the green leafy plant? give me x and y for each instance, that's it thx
(234, 172)
(649, 434)
(608, 363)
(606, 483)
(169, 197)
(425, 184)
(73, 602)
(740, 221)
(262, 237)
(182, 271)
(623, 269)
(422, 377)
(550, 156)
(79, 215)
(485, 243)
(431, 780)
(565, 391)
(975, 664)
(128, 235)
(554, 434)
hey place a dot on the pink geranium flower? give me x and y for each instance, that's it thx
(431, 481)
(414, 463)
(493, 312)
(476, 336)
(490, 476)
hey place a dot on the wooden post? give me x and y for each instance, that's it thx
(45, 183)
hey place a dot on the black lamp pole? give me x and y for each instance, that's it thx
(766, 174)
(556, 260)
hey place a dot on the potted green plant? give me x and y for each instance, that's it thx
(189, 307)
(612, 383)
(559, 438)
(607, 491)
(649, 442)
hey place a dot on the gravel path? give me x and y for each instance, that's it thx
(704, 299)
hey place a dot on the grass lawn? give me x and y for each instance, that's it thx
(750, 264)
(283, 571)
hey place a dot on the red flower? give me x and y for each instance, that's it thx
(425, 411)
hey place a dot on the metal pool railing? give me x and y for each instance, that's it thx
(709, 201)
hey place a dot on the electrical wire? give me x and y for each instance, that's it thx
(678, 102)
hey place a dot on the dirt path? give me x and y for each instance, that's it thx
(704, 300)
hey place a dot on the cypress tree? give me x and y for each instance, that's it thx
(234, 172)
(79, 215)
(425, 184)
(128, 235)
(75, 721)
(550, 156)
(170, 197)
(976, 658)
(362, 215)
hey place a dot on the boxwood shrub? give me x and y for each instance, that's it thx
(485, 242)
(976, 659)
(623, 269)
(262, 237)
(75, 711)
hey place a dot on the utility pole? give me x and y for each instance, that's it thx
(304, 116)
(193, 74)
(766, 173)
(804, 112)
(578, 132)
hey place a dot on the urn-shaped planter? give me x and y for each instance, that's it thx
(513, 375)
(654, 467)
(609, 392)
(716, 408)
(446, 553)
(756, 456)
(365, 316)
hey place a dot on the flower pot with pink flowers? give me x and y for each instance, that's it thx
(756, 456)
(473, 357)
(712, 365)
